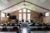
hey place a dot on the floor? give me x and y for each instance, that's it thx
(7, 32)
(31, 32)
(40, 32)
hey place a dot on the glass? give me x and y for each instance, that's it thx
(24, 16)
(20, 17)
(24, 10)
(2, 15)
(20, 10)
(28, 10)
(47, 14)
(28, 16)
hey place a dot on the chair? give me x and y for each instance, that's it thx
(4, 29)
(13, 24)
(39, 29)
(15, 28)
(44, 24)
(40, 24)
(46, 28)
(8, 24)
(32, 24)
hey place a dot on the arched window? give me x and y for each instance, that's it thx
(24, 14)
(20, 15)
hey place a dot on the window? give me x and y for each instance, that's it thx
(47, 14)
(28, 16)
(28, 10)
(2, 15)
(24, 10)
(24, 14)
(20, 15)
(20, 11)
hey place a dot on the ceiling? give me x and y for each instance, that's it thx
(8, 6)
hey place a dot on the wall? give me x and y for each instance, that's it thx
(46, 19)
(3, 19)
(34, 16)
(16, 13)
